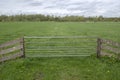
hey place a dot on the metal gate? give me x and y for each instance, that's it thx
(59, 46)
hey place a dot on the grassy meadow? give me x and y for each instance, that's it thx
(68, 68)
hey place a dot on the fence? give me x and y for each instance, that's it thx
(59, 46)
(108, 48)
(12, 50)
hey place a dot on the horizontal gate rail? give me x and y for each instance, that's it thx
(59, 55)
(35, 37)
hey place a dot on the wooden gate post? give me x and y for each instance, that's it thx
(1, 55)
(99, 45)
(23, 46)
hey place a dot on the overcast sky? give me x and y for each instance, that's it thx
(107, 8)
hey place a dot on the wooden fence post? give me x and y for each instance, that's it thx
(1, 55)
(23, 47)
(99, 44)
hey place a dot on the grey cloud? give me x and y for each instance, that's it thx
(93, 8)
(56, 5)
(83, 6)
(69, 7)
(49, 7)
(35, 4)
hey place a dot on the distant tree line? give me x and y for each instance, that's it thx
(40, 17)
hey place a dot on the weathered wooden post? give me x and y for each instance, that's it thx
(99, 45)
(1, 55)
(23, 47)
(22, 42)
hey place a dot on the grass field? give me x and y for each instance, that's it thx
(75, 68)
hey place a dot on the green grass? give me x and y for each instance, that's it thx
(17, 29)
(75, 68)
(80, 68)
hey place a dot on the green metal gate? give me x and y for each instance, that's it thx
(59, 46)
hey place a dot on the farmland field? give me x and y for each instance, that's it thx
(70, 68)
